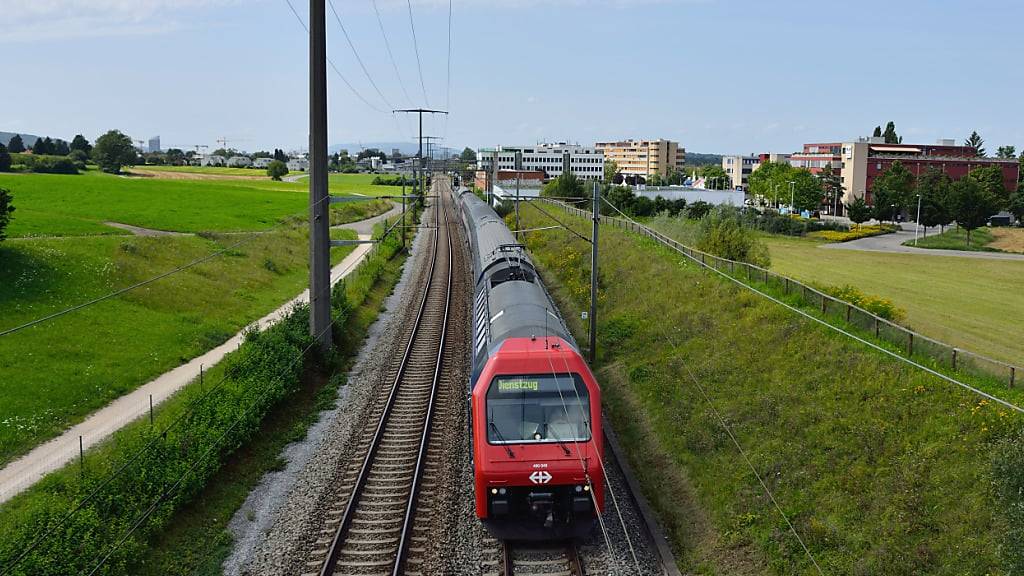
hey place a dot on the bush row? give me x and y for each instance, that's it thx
(882, 307)
(856, 233)
(47, 164)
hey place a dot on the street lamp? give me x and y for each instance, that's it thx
(792, 195)
(917, 223)
(893, 206)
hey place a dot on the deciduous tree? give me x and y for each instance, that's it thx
(972, 204)
(770, 180)
(892, 190)
(611, 168)
(5, 159)
(1016, 206)
(831, 185)
(468, 155)
(858, 211)
(113, 151)
(991, 178)
(806, 190)
(933, 186)
(977, 142)
(61, 148)
(565, 186)
(715, 177)
(277, 169)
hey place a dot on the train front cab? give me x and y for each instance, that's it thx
(537, 442)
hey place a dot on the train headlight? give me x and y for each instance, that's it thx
(587, 487)
(502, 491)
(579, 488)
(494, 490)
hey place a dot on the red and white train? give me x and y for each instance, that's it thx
(535, 407)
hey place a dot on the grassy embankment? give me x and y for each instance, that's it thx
(881, 468)
(969, 303)
(97, 354)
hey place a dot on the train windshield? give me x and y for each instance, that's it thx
(530, 409)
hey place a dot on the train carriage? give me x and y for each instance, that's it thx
(535, 407)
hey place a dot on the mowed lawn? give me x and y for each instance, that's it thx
(54, 374)
(976, 304)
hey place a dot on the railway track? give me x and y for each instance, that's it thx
(369, 528)
(533, 559)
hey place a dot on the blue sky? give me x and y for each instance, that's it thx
(719, 76)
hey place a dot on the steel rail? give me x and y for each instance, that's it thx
(421, 458)
(572, 559)
(351, 505)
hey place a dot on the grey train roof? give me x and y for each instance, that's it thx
(509, 299)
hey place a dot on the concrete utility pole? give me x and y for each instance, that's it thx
(319, 205)
(517, 205)
(593, 279)
(420, 112)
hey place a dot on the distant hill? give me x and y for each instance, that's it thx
(28, 139)
(698, 159)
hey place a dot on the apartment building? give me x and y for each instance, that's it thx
(552, 159)
(739, 168)
(644, 157)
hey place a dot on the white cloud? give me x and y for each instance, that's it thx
(33, 20)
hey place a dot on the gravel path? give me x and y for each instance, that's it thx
(278, 523)
(893, 243)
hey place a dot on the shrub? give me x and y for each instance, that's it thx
(859, 232)
(277, 169)
(393, 181)
(6, 208)
(881, 307)
(51, 165)
(183, 456)
(723, 234)
(5, 159)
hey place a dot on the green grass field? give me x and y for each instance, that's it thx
(881, 468)
(54, 374)
(214, 170)
(956, 239)
(975, 304)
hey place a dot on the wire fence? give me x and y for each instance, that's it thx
(910, 343)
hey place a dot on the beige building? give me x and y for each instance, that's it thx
(644, 157)
(739, 168)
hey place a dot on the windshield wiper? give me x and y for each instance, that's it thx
(500, 438)
(547, 428)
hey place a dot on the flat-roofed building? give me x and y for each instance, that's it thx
(552, 159)
(644, 157)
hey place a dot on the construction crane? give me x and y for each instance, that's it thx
(224, 141)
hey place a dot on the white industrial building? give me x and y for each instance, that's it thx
(239, 162)
(585, 162)
(298, 165)
(262, 162)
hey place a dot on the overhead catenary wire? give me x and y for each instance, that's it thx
(448, 77)
(355, 53)
(416, 47)
(335, 68)
(391, 55)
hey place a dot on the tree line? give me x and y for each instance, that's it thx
(969, 201)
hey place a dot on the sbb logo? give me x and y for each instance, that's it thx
(540, 477)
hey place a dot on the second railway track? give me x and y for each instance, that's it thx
(369, 528)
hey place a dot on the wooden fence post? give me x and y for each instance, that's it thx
(824, 304)
(876, 326)
(787, 285)
(849, 310)
(766, 276)
(1013, 375)
(954, 358)
(910, 343)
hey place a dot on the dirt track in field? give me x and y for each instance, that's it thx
(1008, 239)
(166, 175)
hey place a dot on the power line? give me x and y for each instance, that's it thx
(448, 80)
(416, 45)
(391, 55)
(333, 67)
(356, 54)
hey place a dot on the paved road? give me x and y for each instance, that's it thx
(56, 453)
(365, 227)
(894, 243)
